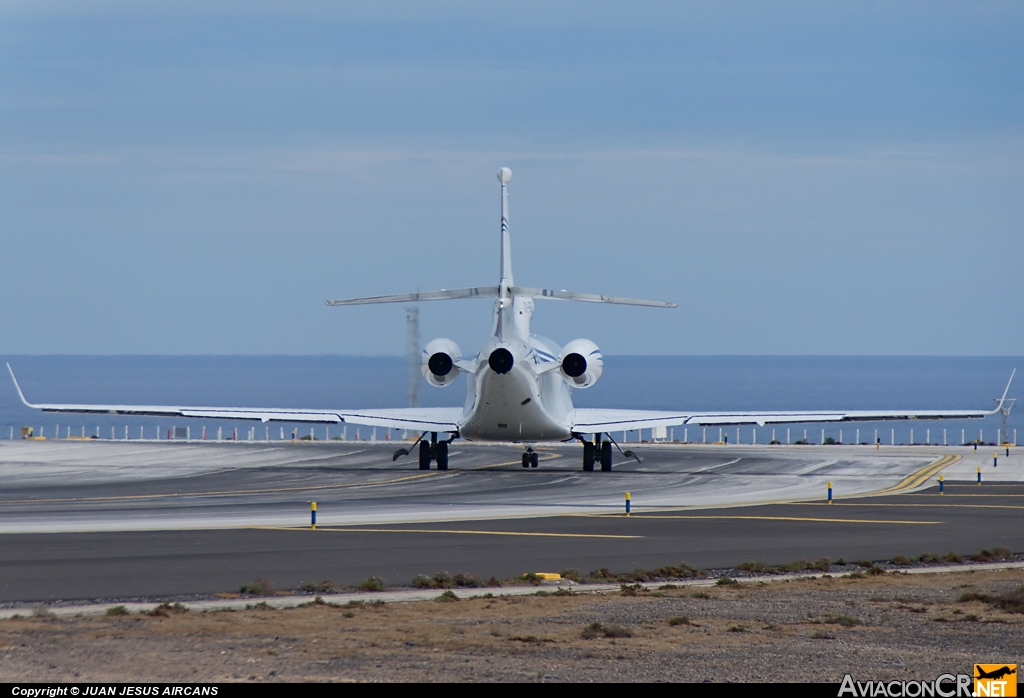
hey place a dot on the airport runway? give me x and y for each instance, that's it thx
(110, 519)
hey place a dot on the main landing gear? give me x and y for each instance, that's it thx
(597, 451)
(530, 459)
(434, 451)
(601, 451)
(430, 451)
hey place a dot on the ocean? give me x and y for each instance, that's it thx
(640, 382)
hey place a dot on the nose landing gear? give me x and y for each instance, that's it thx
(530, 458)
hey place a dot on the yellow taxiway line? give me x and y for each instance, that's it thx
(774, 518)
(936, 504)
(914, 480)
(529, 534)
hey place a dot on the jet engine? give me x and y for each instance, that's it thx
(438, 362)
(581, 363)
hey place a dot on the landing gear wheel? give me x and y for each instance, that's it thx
(441, 455)
(526, 460)
(425, 456)
(588, 457)
(534, 459)
(606, 457)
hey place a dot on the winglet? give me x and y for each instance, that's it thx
(1003, 398)
(18, 388)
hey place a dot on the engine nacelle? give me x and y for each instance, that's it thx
(438, 362)
(581, 363)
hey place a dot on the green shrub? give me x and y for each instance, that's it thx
(447, 597)
(117, 611)
(371, 584)
(725, 581)
(679, 620)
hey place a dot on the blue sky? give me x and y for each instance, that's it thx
(803, 178)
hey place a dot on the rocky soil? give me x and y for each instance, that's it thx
(878, 627)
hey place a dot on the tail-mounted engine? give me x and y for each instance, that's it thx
(581, 363)
(438, 362)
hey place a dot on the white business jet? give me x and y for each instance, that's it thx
(519, 385)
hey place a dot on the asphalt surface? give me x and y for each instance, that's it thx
(129, 564)
(220, 515)
(96, 486)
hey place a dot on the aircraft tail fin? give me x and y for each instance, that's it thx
(505, 176)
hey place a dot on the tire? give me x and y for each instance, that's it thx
(534, 459)
(425, 455)
(606, 457)
(441, 455)
(526, 460)
(588, 457)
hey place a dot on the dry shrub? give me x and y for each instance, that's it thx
(166, 609)
(260, 587)
(994, 555)
(323, 586)
(596, 630)
(572, 574)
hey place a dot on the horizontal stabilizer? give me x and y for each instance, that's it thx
(586, 297)
(444, 294)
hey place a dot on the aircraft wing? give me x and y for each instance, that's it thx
(589, 421)
(592, 421)
(413, 418)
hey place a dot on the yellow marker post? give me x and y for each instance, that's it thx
(829, 492)
(979, 476)
(627, 504)
(312, 515)
(941, 484)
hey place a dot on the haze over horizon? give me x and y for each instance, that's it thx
(802, 179)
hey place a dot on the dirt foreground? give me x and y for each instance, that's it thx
(891, 626)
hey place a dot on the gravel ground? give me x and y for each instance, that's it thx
(889, 626)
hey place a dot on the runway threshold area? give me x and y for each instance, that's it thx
(51, 566)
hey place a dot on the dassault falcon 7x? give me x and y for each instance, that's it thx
(519, 385)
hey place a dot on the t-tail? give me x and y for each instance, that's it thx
(506, 288)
